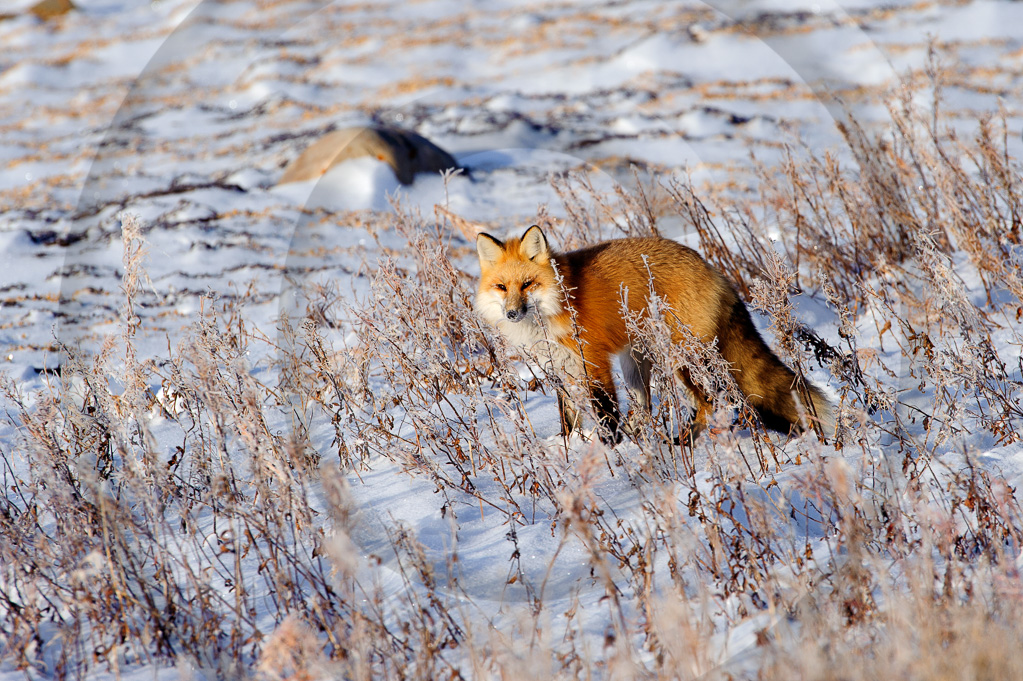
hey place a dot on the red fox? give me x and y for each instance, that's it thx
(580, 319)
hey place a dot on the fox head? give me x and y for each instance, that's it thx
(517, 279)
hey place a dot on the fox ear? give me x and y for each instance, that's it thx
(534, 245)
(488, 248)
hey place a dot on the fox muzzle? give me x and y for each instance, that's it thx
(516, 313)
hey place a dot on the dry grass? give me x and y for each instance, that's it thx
(232, 542)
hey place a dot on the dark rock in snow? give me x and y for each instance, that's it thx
(406, 152)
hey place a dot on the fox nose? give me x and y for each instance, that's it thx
(515, 314)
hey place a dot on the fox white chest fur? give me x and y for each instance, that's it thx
(539, 331)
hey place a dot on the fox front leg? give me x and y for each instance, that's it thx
(608, 416)
(570, 416)
(605, 402)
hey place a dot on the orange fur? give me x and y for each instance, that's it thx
(520, 294)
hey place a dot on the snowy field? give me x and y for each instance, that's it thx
(254, 430)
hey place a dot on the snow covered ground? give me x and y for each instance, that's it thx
(184, 113)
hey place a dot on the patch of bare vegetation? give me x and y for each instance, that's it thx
(200, 509)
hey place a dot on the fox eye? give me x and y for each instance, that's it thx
(501, 287)
(527, 284)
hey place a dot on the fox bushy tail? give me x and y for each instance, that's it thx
(768, 384)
